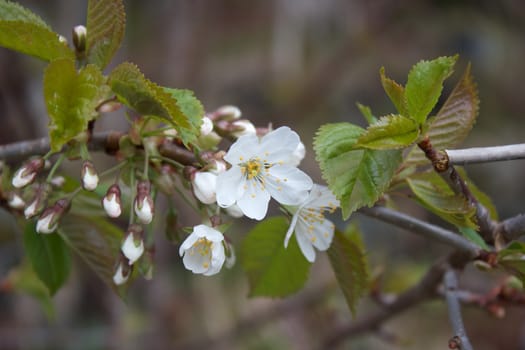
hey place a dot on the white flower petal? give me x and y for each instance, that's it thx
(306, 247)
(279, 145)
(234, 211)
(230, 186)
(206, 126)
(188, 243)
(254, 202)
(321, 196)
(203, 251)
(144, 214)
(20, 181)
(242, 150)
(291, 229)
(288, 185)
(42, 225)
(112, 206)
(130, 250)
(320, 234)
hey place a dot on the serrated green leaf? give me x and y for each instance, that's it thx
(49, 257)
(33, 39)
(105, 24)
(23, 279)
(424, 85)
(473, 236)
(390, 132)
(367, 113)
(454, 120)
(272, 270)
(147, 98)
(348, 260)
(357, 177)
(435, 195)
(71, 98)
(12, 11)
(96, 241)
(394, 91)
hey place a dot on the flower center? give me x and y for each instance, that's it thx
(203, 246)
(252, 168)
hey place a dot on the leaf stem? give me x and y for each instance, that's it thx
(55, 167)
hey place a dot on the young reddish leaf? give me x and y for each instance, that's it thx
(49, 257)
(348, 260)
(435, 195)
(106, 21)
(178, 108)
(390, 132)
(71, 98)
(454, 120)
(424, 85)
(395, 92)
(357, 177)
(272, 269)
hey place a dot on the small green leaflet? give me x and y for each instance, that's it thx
(395, 92)
(71, 99)
(357, 177)
(367, 113)
(149, 99)
(49, 257)
(273, 271)
(454, 120)
(348, 260)
(390, 132)
(12, 11)
(512, 259)
(434, 194)
(474, 237)
(424, 85)
(106, 21)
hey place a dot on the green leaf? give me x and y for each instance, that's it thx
(33, 39)
(23, 279)
(357, 177)
(424, 85)
(367, 113)
(96, 241)
(481, 196)
(106, 22)
(149, 99)
(272, 270)
(395, 92)
(390, 132)
(348, 260)
(435, 195)
(454, 120)
(12, 11)
(71, 99)
(49, 257)
(473, 236)
(512, 259)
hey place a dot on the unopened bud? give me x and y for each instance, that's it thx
(109, 107)
(228, 113)
(133, 245)
(58, 181)
(206, 126)
(27, 173)
(111, 202)
(217, 167)
(48, 221)
(122, 272)
(79, 38)
(16, 202)
(243, 127)
(204, 187)
(234, 211)
(38, 204)
(89, 176)
(143, 204)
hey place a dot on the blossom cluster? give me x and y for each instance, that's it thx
(260, 164)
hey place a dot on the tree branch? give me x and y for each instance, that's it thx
(485, 154)
(512, 228)
(423, 228)
(460, 340)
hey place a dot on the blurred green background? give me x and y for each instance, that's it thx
(300, 63)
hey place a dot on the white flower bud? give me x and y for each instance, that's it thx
(234, 211)
(58, 181)
(298, 155)
(204, 186)
(31, 209)
(228, 113)
(218, 167)
(243, 127)
(122, 274)
(111, 202)
(44, 223)
(89, 176)
(27, 173)
(206, 126)
(16, 202)
(133, 246)
(144, 210)
(79, 38)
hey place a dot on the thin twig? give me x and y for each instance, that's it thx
(512, 228)
(423, 228)
(485, 154)
(460, 339)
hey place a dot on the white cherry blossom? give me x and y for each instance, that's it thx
(262, 168)
(203, 251)
(311, 227)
